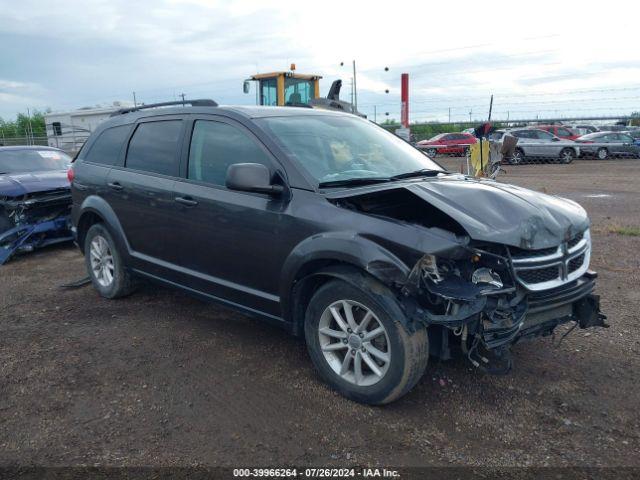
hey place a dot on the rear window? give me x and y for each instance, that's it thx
(106, 149)
(154, 147)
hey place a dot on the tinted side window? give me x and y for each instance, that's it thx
(564, 132)
(106, 149)
(215, 146)
(154, 147)
(542, 135)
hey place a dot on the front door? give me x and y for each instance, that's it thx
(233, 243)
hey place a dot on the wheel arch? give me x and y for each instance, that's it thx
(348, 257)
(94, 210)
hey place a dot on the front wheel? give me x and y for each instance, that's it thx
(431, 152)
(517, 157)
(360, 348)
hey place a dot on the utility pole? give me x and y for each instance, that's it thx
(355, 90)
(375, 115)
(490, 108)
(29, 131)
(449, 114)
(135, 103)
(470, 113)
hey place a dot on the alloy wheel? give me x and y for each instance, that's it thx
(567, 156)
(101, 258)
(354, 343)
(603, 154)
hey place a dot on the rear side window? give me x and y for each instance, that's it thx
(106, 149)
(154, 147)
(215, 146)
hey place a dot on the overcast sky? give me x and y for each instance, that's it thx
(538, 58)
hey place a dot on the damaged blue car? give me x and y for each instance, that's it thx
(35, 199)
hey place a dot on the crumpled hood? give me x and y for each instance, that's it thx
(18, 184)
(498, 212)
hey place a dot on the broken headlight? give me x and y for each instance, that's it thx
(486, 276)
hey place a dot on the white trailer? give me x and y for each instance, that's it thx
(69, 130)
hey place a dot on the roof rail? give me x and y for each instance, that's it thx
(202, 102)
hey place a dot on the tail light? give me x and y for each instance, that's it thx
(70, 175)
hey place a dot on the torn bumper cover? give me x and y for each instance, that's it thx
(480, 300)
(34, 221)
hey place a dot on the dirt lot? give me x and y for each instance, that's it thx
(160, 378)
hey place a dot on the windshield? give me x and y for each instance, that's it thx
(28, 160)
(336, 148)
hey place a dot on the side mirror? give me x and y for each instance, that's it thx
(251, 177)
(246, 86)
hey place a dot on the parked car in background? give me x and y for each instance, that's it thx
(613, 128)
(335, 229)
(35, 198)
(454, 143)
(560, 131)
(535, 145)
(634, 133)
(603, 145)
(583, 129)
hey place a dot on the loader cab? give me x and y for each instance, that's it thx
(284, 88)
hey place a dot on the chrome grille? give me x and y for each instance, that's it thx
(551, 267)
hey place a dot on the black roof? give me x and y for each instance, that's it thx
(233, 111)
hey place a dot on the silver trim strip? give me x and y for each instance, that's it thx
(559, 259)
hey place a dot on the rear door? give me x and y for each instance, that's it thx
(141, 192)
(233, 244)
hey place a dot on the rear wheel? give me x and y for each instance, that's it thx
(567, 155)
(432, 152)
(602, 153)
(360, 348)
(104, 264)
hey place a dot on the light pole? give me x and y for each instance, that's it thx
(355, 90)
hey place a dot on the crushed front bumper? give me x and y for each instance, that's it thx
(31, 236)
(574, 301)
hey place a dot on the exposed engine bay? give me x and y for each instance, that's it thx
(487, 294)
(34, 220)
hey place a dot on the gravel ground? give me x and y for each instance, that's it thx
(160, 378)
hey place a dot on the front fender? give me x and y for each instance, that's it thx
(339, 247)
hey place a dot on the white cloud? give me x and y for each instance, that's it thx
(102, 50)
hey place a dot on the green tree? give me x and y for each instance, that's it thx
(23, 125)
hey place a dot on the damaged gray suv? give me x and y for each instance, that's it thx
(335, 229)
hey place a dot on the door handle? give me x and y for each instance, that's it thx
(187, 201)
(115, 186)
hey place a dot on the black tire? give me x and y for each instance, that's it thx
(466, 151)
(602, 153)
(122, 283)
(431, 152)
(567, 155)
(517, 157)
(409, 353)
